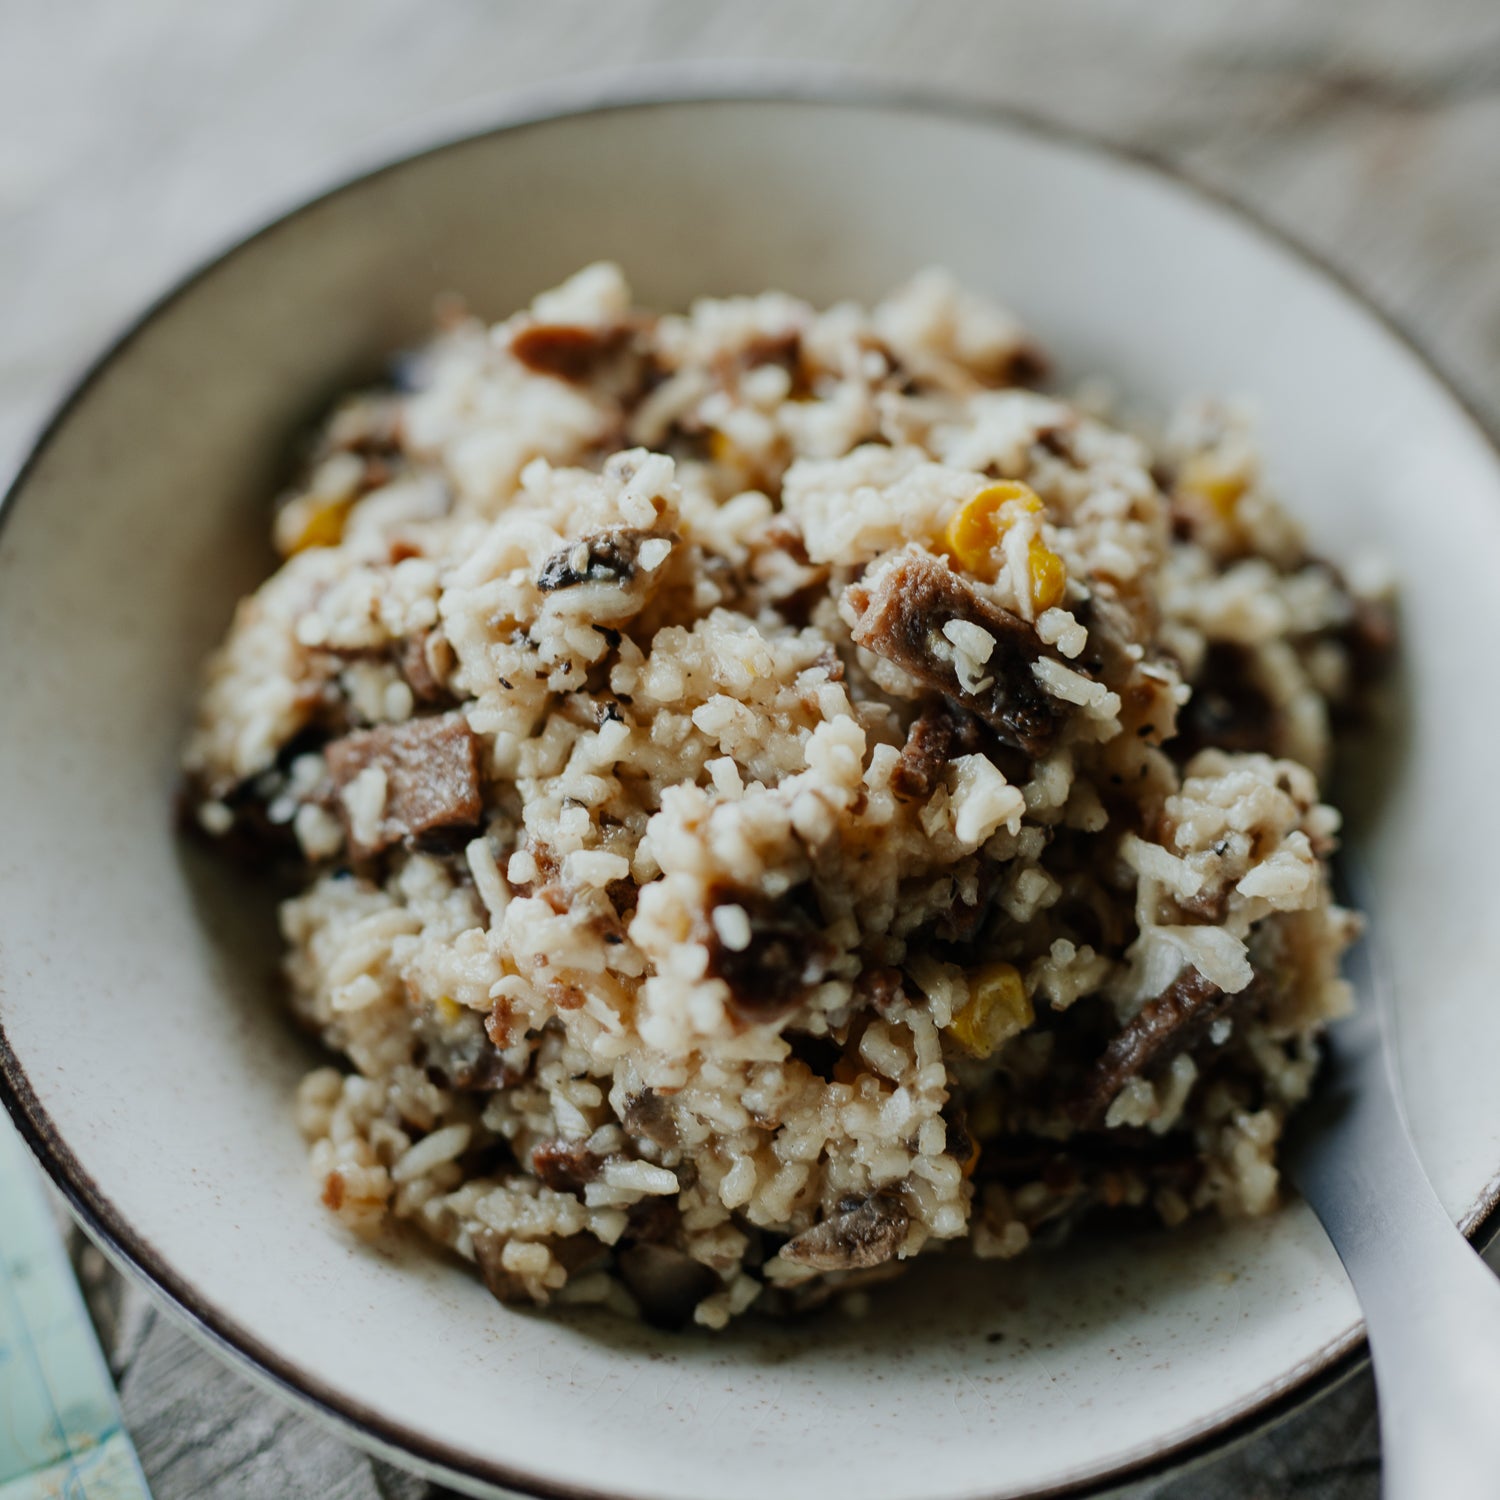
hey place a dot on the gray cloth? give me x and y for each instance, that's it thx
(137, 138)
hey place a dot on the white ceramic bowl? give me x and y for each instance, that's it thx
(144, 1053)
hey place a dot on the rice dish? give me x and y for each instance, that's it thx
(767, 793)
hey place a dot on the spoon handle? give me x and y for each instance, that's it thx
(1431, 1306)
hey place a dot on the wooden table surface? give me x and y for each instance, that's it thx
(137, 137)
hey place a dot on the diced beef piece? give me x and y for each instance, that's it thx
(566, 351)
(414, 660)
(1227, 710)
(939, 733)
(866, 1234)
(431, 769)
(564, 1166)
(1163, 1027)
(787, 952)
(901, 617)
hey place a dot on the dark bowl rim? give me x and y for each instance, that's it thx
(646, 88)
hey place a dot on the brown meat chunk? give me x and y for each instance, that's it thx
(1227, 710)
(866, 1235)
(787, 953)
(414, 660)
(564, 1166)
(431, 780)
(902, 617)
(566, 351)
(1162, 1028)
(938, 734)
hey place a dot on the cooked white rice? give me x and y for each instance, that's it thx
(722, 877)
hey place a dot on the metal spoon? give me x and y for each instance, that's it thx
(1431, 1306)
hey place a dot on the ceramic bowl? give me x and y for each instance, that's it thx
(144, 1052)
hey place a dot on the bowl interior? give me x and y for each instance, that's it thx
(136, 988)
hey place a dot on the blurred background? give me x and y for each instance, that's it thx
(138, 136)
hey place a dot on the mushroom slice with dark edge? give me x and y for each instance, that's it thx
(900, 613)
(867, 1234)
(431, 771)
(1164, 1026)
(667, 1283)
(604, 557)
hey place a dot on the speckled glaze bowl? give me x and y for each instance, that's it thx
(145, 1056)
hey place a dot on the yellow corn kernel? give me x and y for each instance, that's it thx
(998, 1007)
(312, 521)
(1048, 575)
(1210, 478)
(448, 1008)
(977, 526)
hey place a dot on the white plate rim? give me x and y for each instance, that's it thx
(691, 84)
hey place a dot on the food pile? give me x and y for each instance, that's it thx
(769, 793)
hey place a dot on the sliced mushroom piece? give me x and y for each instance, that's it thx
(1163, 1027)
(667, 1283)
(868, 1234)
(648, 1116)
(603, 557)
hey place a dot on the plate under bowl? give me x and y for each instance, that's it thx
(143, 1051)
